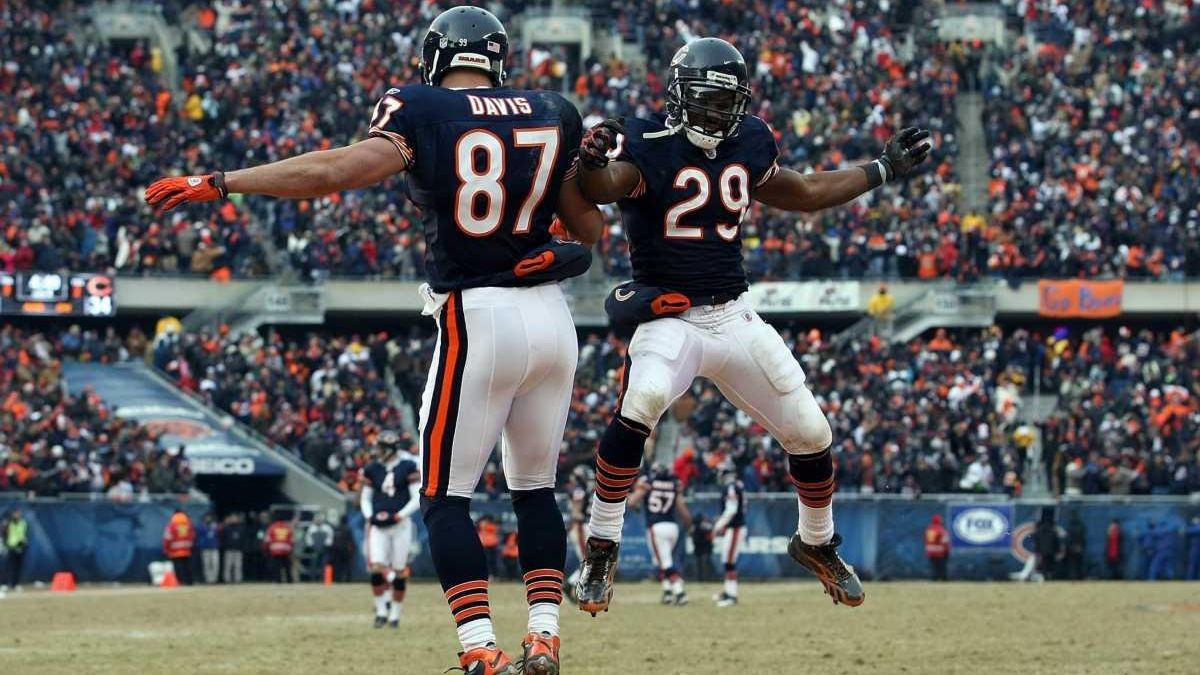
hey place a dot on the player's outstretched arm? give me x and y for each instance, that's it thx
(313, 174)
(601, 180)
(792, 191)
(582, 220)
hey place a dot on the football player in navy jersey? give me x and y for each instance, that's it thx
(490, 167)
(683, 185)
(663, 497)
(391, 494)
(731, 529)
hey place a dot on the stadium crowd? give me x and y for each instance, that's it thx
(1095, 142)
(940, 414)
(832, 79)
(325, 398)
(279, 80)
(52, 442)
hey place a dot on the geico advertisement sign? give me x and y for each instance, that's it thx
(223, 466)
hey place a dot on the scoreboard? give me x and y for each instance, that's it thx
(51, 294)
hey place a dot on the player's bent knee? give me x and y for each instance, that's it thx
(645, 403)
(377, 579)
(730, 567)
(807, 433)
(399, 583)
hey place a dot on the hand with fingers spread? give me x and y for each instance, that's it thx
(167, 193)
(599, 141)
(904, 152)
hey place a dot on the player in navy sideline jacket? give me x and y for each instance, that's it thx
(684, 185)
(489, 168)
(731, 529)
(663, 497)
(391, 494)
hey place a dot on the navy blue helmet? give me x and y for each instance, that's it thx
(464, 37)
(708, 91)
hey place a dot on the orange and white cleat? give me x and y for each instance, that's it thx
(489, 660)
(541, 654)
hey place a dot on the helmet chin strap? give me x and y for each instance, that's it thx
(702, 141)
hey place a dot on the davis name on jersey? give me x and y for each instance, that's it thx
(389, 489)
(684, 219)
(484, 168)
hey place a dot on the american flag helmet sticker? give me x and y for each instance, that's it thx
(493, 46)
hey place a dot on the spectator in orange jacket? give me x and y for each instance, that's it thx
(937, 547)
(278, 545)
(178, 539)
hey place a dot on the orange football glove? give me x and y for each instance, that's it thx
(167, 193)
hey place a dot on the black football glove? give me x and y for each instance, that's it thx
(599, 141)
(904, 152)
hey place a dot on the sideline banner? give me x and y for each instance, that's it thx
(980, 526)
(783, 297)
(1080, 298)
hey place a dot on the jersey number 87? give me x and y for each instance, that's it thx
(483, 181)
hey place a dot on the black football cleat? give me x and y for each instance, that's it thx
(380, 621)
(394, 623)
(681, 598)
(839, 579)
(595, 588)
(668, 598)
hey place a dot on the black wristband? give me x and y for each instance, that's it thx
(218, 181)
(874, 174)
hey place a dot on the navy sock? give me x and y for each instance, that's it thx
(541, 544)
(458, 556)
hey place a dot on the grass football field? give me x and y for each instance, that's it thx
(779, 628)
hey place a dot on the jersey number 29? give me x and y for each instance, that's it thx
(480, 200)
(733, 185)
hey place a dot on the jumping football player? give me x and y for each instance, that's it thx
(391, 494)
(664, 498)
(731, 528)
(684, 185)
(489, 167)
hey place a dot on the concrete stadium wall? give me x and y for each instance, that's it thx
(96, 541)
(158, 296)
(883, 536)
(108, 541)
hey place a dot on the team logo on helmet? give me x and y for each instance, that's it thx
(679, 56)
